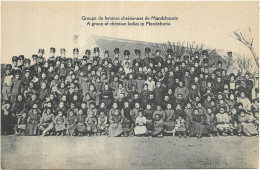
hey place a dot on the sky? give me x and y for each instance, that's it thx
(28, 26)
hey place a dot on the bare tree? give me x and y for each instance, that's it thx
(247, 40)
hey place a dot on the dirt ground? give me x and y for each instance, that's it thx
(131, 153)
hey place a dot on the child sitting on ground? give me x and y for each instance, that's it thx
(180, 127)
(60, 121)
(91, 125)
(222, 121)
(140, 125)
(102, 124)
(71, 120)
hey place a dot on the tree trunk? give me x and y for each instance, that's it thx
(255, 56)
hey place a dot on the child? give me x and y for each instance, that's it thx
(188, 111)
(169, 118)
(233, 122)
(222, 121)
(148, 113)
(246, 119)
(255, 111)
(71, 120)
(135, 112)
(102, 124)
(22, 123)
(92, 109)
(140, 124)
(91, 124)
(180, 127)
(59, 122)
(180, 111)
(160, 112)
(43, 92)
(102, 108)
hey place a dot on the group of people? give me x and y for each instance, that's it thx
(126, 95)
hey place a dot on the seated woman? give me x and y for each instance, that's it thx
(8, 120)
(158, 126)
(246, 119)
(80, 126)
(71, 121)
(169, 119)
(33, 122)
(46, 122)
(116, 120)
(140, 124)
(60, 121)
(198, 127)
(211, 123)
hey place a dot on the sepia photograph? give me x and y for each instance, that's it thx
(129, 85)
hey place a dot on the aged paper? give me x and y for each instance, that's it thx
(146, 53)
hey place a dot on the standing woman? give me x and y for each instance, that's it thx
(107, 96)
(15, 86)
(6, 83)
(33, 122)
(18, 106)
(94, 95)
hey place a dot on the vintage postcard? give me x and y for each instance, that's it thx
(129, 84)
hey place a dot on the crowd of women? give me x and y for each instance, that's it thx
(137, 94)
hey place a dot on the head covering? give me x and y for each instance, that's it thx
(88, 52)
(147, 50)
(169, 51)
(14, 59)
(52, 49)
(126, 52)
(41, 50)
(205, 52)
(62, 50)
(137, 51)
(8, 67)
(96, 49)
(27, 60)
(75, 50)
(116, 50)
(21, 57)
